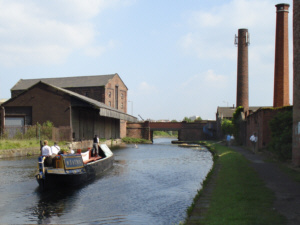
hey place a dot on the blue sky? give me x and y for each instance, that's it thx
(177, 58)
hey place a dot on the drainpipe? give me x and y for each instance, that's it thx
(2, 121)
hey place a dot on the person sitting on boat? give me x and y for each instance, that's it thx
(55, 149)
(46, 151)
(71, 151)
(95, 145)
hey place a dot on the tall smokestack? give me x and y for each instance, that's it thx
(281, 70)
(242, 41)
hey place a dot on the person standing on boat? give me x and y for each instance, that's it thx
(95, 145)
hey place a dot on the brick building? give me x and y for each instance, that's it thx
(86, 105)
(227, 113)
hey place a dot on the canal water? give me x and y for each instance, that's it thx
(148, 184)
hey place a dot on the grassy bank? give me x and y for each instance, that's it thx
(6, 144)
(239, 196)
(130, 140)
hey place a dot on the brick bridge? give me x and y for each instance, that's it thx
(203, 130)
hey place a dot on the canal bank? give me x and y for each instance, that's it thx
(29, 151)
(245, 188)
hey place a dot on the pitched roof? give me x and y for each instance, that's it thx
(104, 110)
(66, 82)
(227, 112)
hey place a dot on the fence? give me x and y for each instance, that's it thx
(39, 132)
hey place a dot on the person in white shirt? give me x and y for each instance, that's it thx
(253, 140)
(55, 149)
(46, 151)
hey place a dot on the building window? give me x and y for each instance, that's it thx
(109, 103)
(122, 105)
(109, 94)
(122, 95)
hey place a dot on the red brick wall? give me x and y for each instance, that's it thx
(187, 131)
(281, 70)
(258, 122)
(110, 94)
(296, 88)
(138, 130)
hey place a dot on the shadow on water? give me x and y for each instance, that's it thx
(57, 202)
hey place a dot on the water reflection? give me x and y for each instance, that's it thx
(51, 204)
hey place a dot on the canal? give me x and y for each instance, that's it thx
(148, 184)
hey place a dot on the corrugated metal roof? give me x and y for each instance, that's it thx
(66, 82)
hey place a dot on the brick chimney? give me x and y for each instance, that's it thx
(281, 70)
(242, 41)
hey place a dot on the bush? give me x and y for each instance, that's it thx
(227, 126)
(236, 121)
(281, 135)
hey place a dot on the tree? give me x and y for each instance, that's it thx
(188, 120)
(227, 126)
(281, 135)
(236, 121)
(198, 119)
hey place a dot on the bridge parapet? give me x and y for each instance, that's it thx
(165, 126)
(186, 131)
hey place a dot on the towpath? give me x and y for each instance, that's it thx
(285, 189)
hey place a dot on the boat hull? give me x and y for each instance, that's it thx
(72, 174)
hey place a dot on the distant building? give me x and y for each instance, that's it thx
(227, 113)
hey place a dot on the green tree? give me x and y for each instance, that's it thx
(227, 126)
(188, 120)
(236, 121)
(281, 135)
(198, 119)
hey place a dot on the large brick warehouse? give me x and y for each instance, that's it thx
(84, 106)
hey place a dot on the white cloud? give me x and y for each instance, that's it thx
(47, 32)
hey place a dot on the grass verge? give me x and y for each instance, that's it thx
(130, 140)
(239, 196)
(6, 144)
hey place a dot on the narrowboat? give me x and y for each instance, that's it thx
(69, 170)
